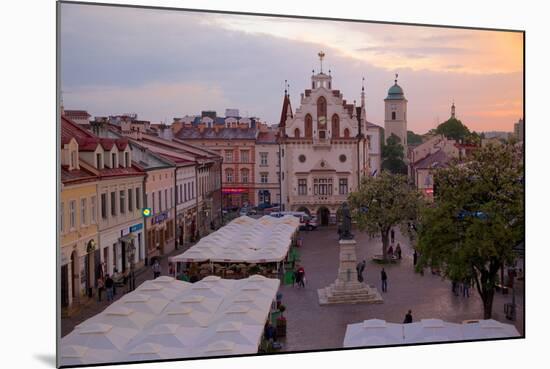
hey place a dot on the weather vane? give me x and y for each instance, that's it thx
(396, 75)
(321, 56)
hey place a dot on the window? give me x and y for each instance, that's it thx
(263, 177)
(127, 159)
(185, 189)
(308, 126)
(113, 162)
(302, 187)
(72, 214)
(244, 175)
(122, 199)
(73, 159)
(160, 201)
(321, 110)
(138, 198)
(98, 161)
(83, 209)
(322, 186)
(62, 217)
(244, 156)
(93, 210)
(130, 200)
(343, 185)
(335, 126)
(153, 199)
(346, 133)
(263, 159)
(297, 133)
(229, 175)
(228, 156)
(369, 139)
(176, 193)
(165, 199)
(113, 203)
(392, 115)
(104, 205)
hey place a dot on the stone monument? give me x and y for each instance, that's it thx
(346, 289)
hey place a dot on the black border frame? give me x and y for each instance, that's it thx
(58, 5)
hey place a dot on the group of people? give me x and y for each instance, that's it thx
(107, 284)
(461, 287)
(391, 251)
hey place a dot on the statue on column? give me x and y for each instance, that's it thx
(345, 227)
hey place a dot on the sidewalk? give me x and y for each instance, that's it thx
(91, 307)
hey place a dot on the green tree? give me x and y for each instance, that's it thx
(383, 202)
(476, 220)
(413, 138)
(453, 129)
(392, 156)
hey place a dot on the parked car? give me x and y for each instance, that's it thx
(252, 211)
(264, 205)
(311, 223)
(243, 211)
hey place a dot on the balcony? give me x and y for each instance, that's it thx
(318, 199)
(321, 143)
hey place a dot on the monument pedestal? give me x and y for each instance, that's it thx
(346, 289)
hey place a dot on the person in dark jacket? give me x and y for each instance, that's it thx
(109, 286)
(384, 278)
(408, 318)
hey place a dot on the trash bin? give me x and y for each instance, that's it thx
(510, 311)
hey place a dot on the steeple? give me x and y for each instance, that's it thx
(286, 111)
(453, 110)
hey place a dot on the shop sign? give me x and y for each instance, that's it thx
(136, 227)
(159, 218)
(233, 190)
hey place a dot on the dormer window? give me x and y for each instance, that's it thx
(127, 159)
(73, 160)
(99, 160)
(113, 160)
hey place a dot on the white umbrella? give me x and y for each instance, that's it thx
(143, 303)
(185, 316)
(82, 355)
(373, 332)
(167, 335)
(160, 290)
(432, 330)
(99, 336)
(152, 351)
(197, 302)
(243, 314)
(490, 328)
(120, 316)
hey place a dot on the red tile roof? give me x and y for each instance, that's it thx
(76, 175)
(269, 137)
(76, 114)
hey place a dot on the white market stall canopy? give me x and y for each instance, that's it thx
(166, 319)
(245, 240)
(375, 332)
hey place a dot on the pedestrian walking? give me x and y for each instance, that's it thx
(100, 285)
(454, 287)
(300, 277)
(408, 317)
(392, 235)
(360, 269)
(109, 286)
(398, 251)
(384, 278)
(156, 269)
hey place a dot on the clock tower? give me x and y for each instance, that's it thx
(395, 119)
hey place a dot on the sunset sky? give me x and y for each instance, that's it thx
(165, 64)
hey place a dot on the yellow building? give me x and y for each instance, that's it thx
(77, 225)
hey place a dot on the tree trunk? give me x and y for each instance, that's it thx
(385, 242)
(488, 303)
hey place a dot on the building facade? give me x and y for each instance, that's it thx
(324, 149)
(267, 168)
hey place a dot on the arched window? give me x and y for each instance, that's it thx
(321, 108)
(335, 126)
(308, 126)
(346, 133)
(392, 115)
(297, 133)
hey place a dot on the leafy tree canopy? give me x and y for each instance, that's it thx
(453, 129)
(477, 218)
(383, 202)
(392, 156)
(413, 138)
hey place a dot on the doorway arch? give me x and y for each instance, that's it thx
(323, 215)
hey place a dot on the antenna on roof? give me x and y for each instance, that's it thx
(396, 76)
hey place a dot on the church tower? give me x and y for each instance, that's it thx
(395, 119)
